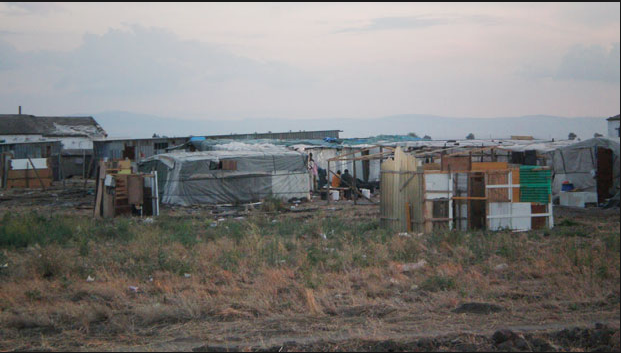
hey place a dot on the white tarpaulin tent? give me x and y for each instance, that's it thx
(577, 163)
(217, 177)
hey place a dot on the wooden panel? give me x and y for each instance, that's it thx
(482, 166)
(441, 211)
(108, 203)
(538, 222)
(401, 182)
(30, 183)
(432, 166)
(515, 174)
(30, 174)
(135, 189)
(476, 209)
(498, 194)
(456, 163)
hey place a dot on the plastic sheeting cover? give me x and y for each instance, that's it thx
(577, 163)
(191, 177)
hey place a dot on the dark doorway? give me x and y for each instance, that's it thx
(476, 215)
(604, 174)
(129, 152)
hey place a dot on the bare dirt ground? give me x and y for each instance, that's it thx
(546, 290)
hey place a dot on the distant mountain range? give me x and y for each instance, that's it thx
(126, 124)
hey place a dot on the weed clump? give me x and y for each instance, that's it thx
(438, 283)
(273, 204)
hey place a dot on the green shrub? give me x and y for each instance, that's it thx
(18, 231)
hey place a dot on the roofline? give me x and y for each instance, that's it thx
(29, 142)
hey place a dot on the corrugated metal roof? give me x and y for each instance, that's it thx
(22, 124)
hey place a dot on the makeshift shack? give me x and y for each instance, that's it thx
(590, 166)
(25, 173)
(462, 194)
(225, 177)
(120, 191)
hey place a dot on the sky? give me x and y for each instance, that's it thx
(222, 61)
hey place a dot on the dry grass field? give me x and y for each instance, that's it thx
(326, 279)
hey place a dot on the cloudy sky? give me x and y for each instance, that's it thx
(315, 60)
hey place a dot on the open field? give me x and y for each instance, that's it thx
(324, 279)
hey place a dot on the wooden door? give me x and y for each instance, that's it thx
(604, 174)
(476, 209)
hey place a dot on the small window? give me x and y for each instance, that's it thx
(160, 145)
(224, 164)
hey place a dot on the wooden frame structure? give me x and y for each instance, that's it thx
(463, 195)
(347, 157)
(118, 191)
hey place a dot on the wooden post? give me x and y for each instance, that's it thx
(27, 179)
(408, 217)
(60, 167)
(35, 171)
(90, 164)
(329, 183)
(353, 186)
(100, 189)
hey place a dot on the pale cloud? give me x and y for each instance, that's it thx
(416, 22)
(593, 62)
(139, 61)
(30, 8)
(582, 63)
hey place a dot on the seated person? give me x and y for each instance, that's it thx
(347, 181)
(336, 179)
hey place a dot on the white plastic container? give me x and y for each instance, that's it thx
(366, 193)
(334, 194)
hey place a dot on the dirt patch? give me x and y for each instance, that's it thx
(477, 308)
(600, 338)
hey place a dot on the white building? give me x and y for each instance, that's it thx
(75, 133)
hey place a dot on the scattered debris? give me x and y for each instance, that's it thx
(501, 267)
(187, 275)
(90, 279)
(409, 267)
(134, 289)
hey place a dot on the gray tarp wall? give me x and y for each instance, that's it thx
(577, 163)
(190, 178)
